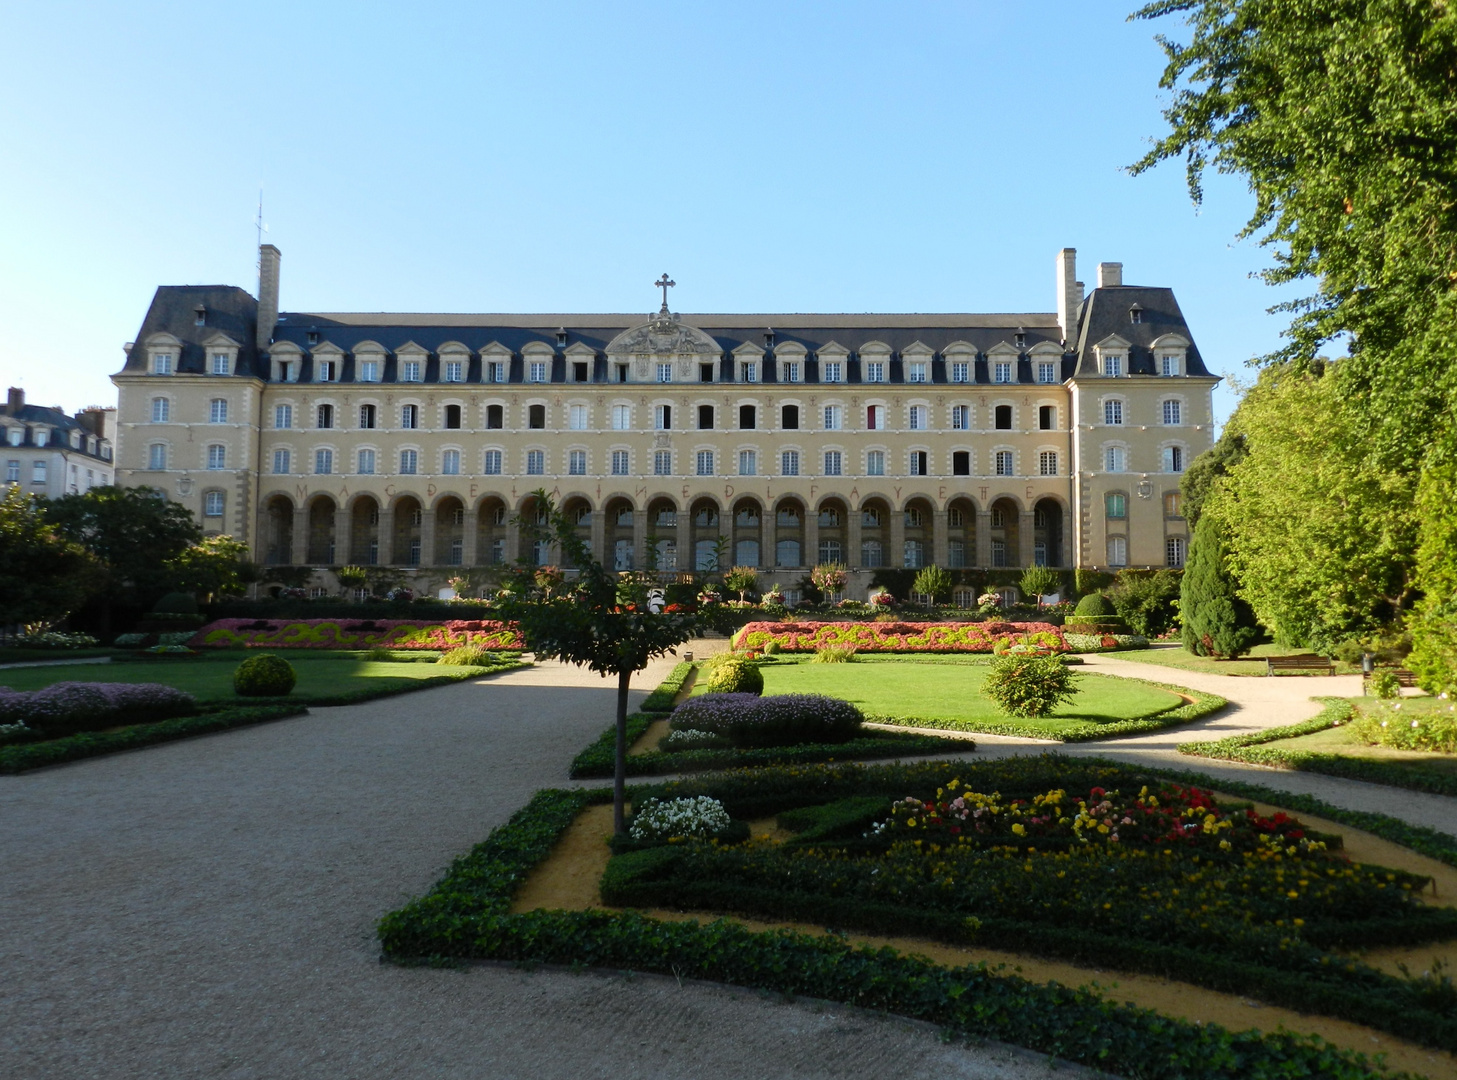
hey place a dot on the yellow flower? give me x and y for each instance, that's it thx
(1019, 829)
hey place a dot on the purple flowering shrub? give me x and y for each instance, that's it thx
(66, 708)
(779, 720)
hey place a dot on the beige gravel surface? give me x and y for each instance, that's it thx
(206, 908)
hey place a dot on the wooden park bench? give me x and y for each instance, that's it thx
(1302, 662)
(1403, 677)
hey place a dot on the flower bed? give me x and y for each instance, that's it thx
(356, 634)
(66, 708)
(936, 637)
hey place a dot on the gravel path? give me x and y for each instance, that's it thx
(206, 908)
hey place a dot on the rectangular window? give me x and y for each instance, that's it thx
(665, 372)
(1173, 505)
(875, 463)
(220, 366)
(789, 418)
(1113, 412)
(1117, 551)
(283, 416)
(369, 371)
(663, 417)
(1046, 371)
(833, 417)
(918, 463)
(12, 471)
(217, 412)
(162, 364)
(1002, 371)
(496, 371)
(577, 463)
(960, 371)
(1047, 463)
(1004, 463)
(621, 417)
(493, 463)
(280, 461)
(833, 460)
(874, 417)
(831, 551)
(324, 371)
(960, 417)
(1116, 505)
(916, 371)
(748, 463)
(1174, 551)
(751, 370)
(538, 371)
(705, 418)
(1173, 413)
(410, 371)
(217, 457)
(916, 417)
(535, 462)
(1114, 459)
(577, 417)
(705, 463)
(366, 417)
(366, 463)
(791, 370)
(874, 371)
(325, 416)
(662, 463)
(212, 502)
(1168, 366)
(789, 463)
(409, 416)
(621, 462)
(323, 462)
(450, 463)
(454, 370)
(1047, 417)
(830, 371)
(1113, 365)
(495, 417)
(961, 463)
(1173, 459)
(409, 462)
(161, 410)
(38, 472)
(705, 373)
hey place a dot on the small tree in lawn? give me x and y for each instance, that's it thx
(933, 582)
(1217, 621)
(1039, 581)
(597, 621)
(741, 579)
(829, 578)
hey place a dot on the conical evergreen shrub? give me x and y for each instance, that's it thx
(1216, 621)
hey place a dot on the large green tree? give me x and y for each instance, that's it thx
(43, 576)
(1216, 621)
(136, 533)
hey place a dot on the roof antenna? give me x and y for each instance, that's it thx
(259, 223)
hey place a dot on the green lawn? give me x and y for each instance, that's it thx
(952, 693)
(320, 675)
(1174, 656)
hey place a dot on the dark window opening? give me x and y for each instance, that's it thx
(918, 463)
(1021, 340)
(961, 463)
(746, 418)
(579, 370)
(789, 418)
(326, 416)
(452, 416)
(705, 373)
(1004, 418)
(705, 418)
(536, 416)
(495, 416)
(366, 416)
(1047, 417)
(622, 373)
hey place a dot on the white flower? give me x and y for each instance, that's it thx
(700, 816)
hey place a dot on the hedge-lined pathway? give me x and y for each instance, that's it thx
(206, 908)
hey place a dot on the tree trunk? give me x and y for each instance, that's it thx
(619, 774)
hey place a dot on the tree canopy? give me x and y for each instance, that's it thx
(133, 532)
(43, 576)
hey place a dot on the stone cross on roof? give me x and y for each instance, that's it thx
(665, 284)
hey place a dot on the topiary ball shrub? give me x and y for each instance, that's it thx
(176, 603)
(779, 720)
(734, 675)
(1095, 605)
(467, 656)
(264, 675)
(1028, 686)
(773, 648)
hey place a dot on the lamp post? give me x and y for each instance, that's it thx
(1368, 666)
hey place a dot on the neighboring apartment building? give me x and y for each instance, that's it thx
(965, 440)
(49, 453)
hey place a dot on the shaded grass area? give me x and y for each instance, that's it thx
(1326, 744)
(467, 916)
(1174, 656)
(327, 679)
(21, 655)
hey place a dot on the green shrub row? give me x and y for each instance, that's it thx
(25, 756)
(661, 699)
(1203, 705)
(1248, 749)
(369, 693)
(466, 915)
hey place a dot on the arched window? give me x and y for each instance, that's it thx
(157, 456)
(1173, 412)
(450, 463)
(217, 411)
(161, 410)
(212, 504)
(452, 416)
(217, 457)
(326, 416)
(1114, 459)
(1113, 412)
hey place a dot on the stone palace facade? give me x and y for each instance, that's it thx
(674, 440)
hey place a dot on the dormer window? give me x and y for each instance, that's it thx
(409, 371)
(221, 363)
(199, 316)
(313, 337)
(537, 372)
(325, 371)
(1002, 371)
(830, 371)
(1113, 365)
(768, 339)
(1021, 339)
(369, 371)
(561, 338)
(42, 436)
(1170, 365)
(454, 371)
(750, 371)
(1135, 314)
(162, 363)
(916, 371)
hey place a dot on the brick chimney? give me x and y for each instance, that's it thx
(1069, 294)
(93, 419)
(15, 400)
(1110, 274)
(269, 258)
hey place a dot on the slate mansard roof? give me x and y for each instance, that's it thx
(233, 312)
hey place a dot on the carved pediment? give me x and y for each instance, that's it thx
(664, 335)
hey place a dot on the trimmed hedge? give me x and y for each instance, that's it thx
(356, 633)
(909, 637)
(662, 699)
(25, 756)
(1203, 705)
(1248, 748)
(467, 915)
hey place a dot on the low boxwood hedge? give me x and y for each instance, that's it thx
(663, 698)
(1203, 705)
(1249, 748)
(467, 916)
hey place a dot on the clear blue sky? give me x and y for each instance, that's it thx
(558, 157)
